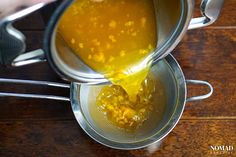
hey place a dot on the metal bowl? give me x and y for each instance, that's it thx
(169, 73)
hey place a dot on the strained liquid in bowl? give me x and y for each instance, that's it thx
(129, 115)
(131, 121)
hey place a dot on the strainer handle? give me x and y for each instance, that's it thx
(37, 96)
(201, 97)
(210, 10)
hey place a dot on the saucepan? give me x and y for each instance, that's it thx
(171, 103)
(174, 19)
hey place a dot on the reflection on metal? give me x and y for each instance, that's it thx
(154, 147)
(210, 10)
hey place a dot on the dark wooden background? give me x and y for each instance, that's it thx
(48, 128)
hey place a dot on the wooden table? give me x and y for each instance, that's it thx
(48, 128)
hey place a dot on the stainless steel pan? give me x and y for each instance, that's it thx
(174, 19)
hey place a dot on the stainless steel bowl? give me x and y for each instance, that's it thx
(172, 78)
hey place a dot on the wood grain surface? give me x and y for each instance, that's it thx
(40, 128)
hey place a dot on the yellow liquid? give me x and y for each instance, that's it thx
(115, 38)
(108, 127)
(114, 102)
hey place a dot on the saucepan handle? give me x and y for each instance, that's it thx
(210, 10)
(201, 97)
(12, 41)
(37, 96)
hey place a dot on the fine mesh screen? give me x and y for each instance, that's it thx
(165, 104)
